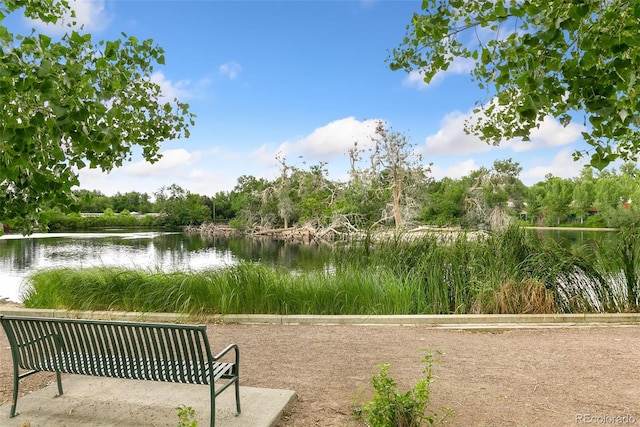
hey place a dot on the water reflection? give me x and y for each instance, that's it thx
(19, 256)
(164, 251)
(570, 238)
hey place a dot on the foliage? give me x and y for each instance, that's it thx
(583, 197)
(486, 198)
(390, 189)
(626, 256)
(445, 202)
(55, 220)
(93, 201)
(178, 206)
(132, 201)
(72, 103)
(495, 195)
(246, 201)
(393, 408)
(538, 58)
(185, 416)
(557, 198)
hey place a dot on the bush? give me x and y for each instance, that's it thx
(392, 408)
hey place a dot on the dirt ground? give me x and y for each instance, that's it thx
(524, 377)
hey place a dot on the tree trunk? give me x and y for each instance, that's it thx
(397, 192)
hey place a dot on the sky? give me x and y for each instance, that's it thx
(302, 80)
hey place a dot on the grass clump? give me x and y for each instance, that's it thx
(529, 296)
(241, 289)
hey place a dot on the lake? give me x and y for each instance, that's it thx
(20, 256)
(165, 251)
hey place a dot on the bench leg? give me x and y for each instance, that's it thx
(59, 380)
(212, 415)
(14, 400)
(237, 395)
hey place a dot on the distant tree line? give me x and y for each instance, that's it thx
(172, 207)
(387, 186)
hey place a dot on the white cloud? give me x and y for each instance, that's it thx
(323, 144)
(549, 134)
(230, 69)
(458, 66)
(455, 171)
(562, 165)
(91, 16)
(171, 163)
(332, 140)
(170, 90)
(177, 166)
(328, 144)
(264, 155)
(451, 138)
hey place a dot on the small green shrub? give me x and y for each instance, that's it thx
(392, 408)
(185, 416)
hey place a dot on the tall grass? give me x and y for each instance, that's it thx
(508, 272)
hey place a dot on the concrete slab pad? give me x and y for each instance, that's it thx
(107, 402)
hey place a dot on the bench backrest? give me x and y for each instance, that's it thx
(153, 351)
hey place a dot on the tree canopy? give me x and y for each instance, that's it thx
(573, 60)
(69, 103)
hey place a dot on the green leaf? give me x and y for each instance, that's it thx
(623, 114)
(111, 49)
(45, 41)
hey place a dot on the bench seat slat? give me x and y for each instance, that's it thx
(102, 366)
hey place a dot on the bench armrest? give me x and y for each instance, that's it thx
(226, 350)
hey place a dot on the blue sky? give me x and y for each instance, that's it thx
(304, 79)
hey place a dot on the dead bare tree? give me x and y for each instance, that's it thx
(394, 153)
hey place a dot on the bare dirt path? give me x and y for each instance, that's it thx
(534, 377)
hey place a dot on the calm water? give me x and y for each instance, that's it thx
(570, 237)
(20, 256)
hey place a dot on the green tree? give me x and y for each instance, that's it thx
(222, 207)
(363, 198)
(496, 195)
(180, 207)
(534, 202)
(247, 201)
(283, 191)
(584, 194)
(316, 194)
(445, 202)
(573, 60)
(557, 198)
(131, 201)
(71, 103)
(617, 196)
(92, 200)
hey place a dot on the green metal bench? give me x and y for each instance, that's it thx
(132, 350)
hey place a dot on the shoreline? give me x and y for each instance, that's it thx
(535, 227)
